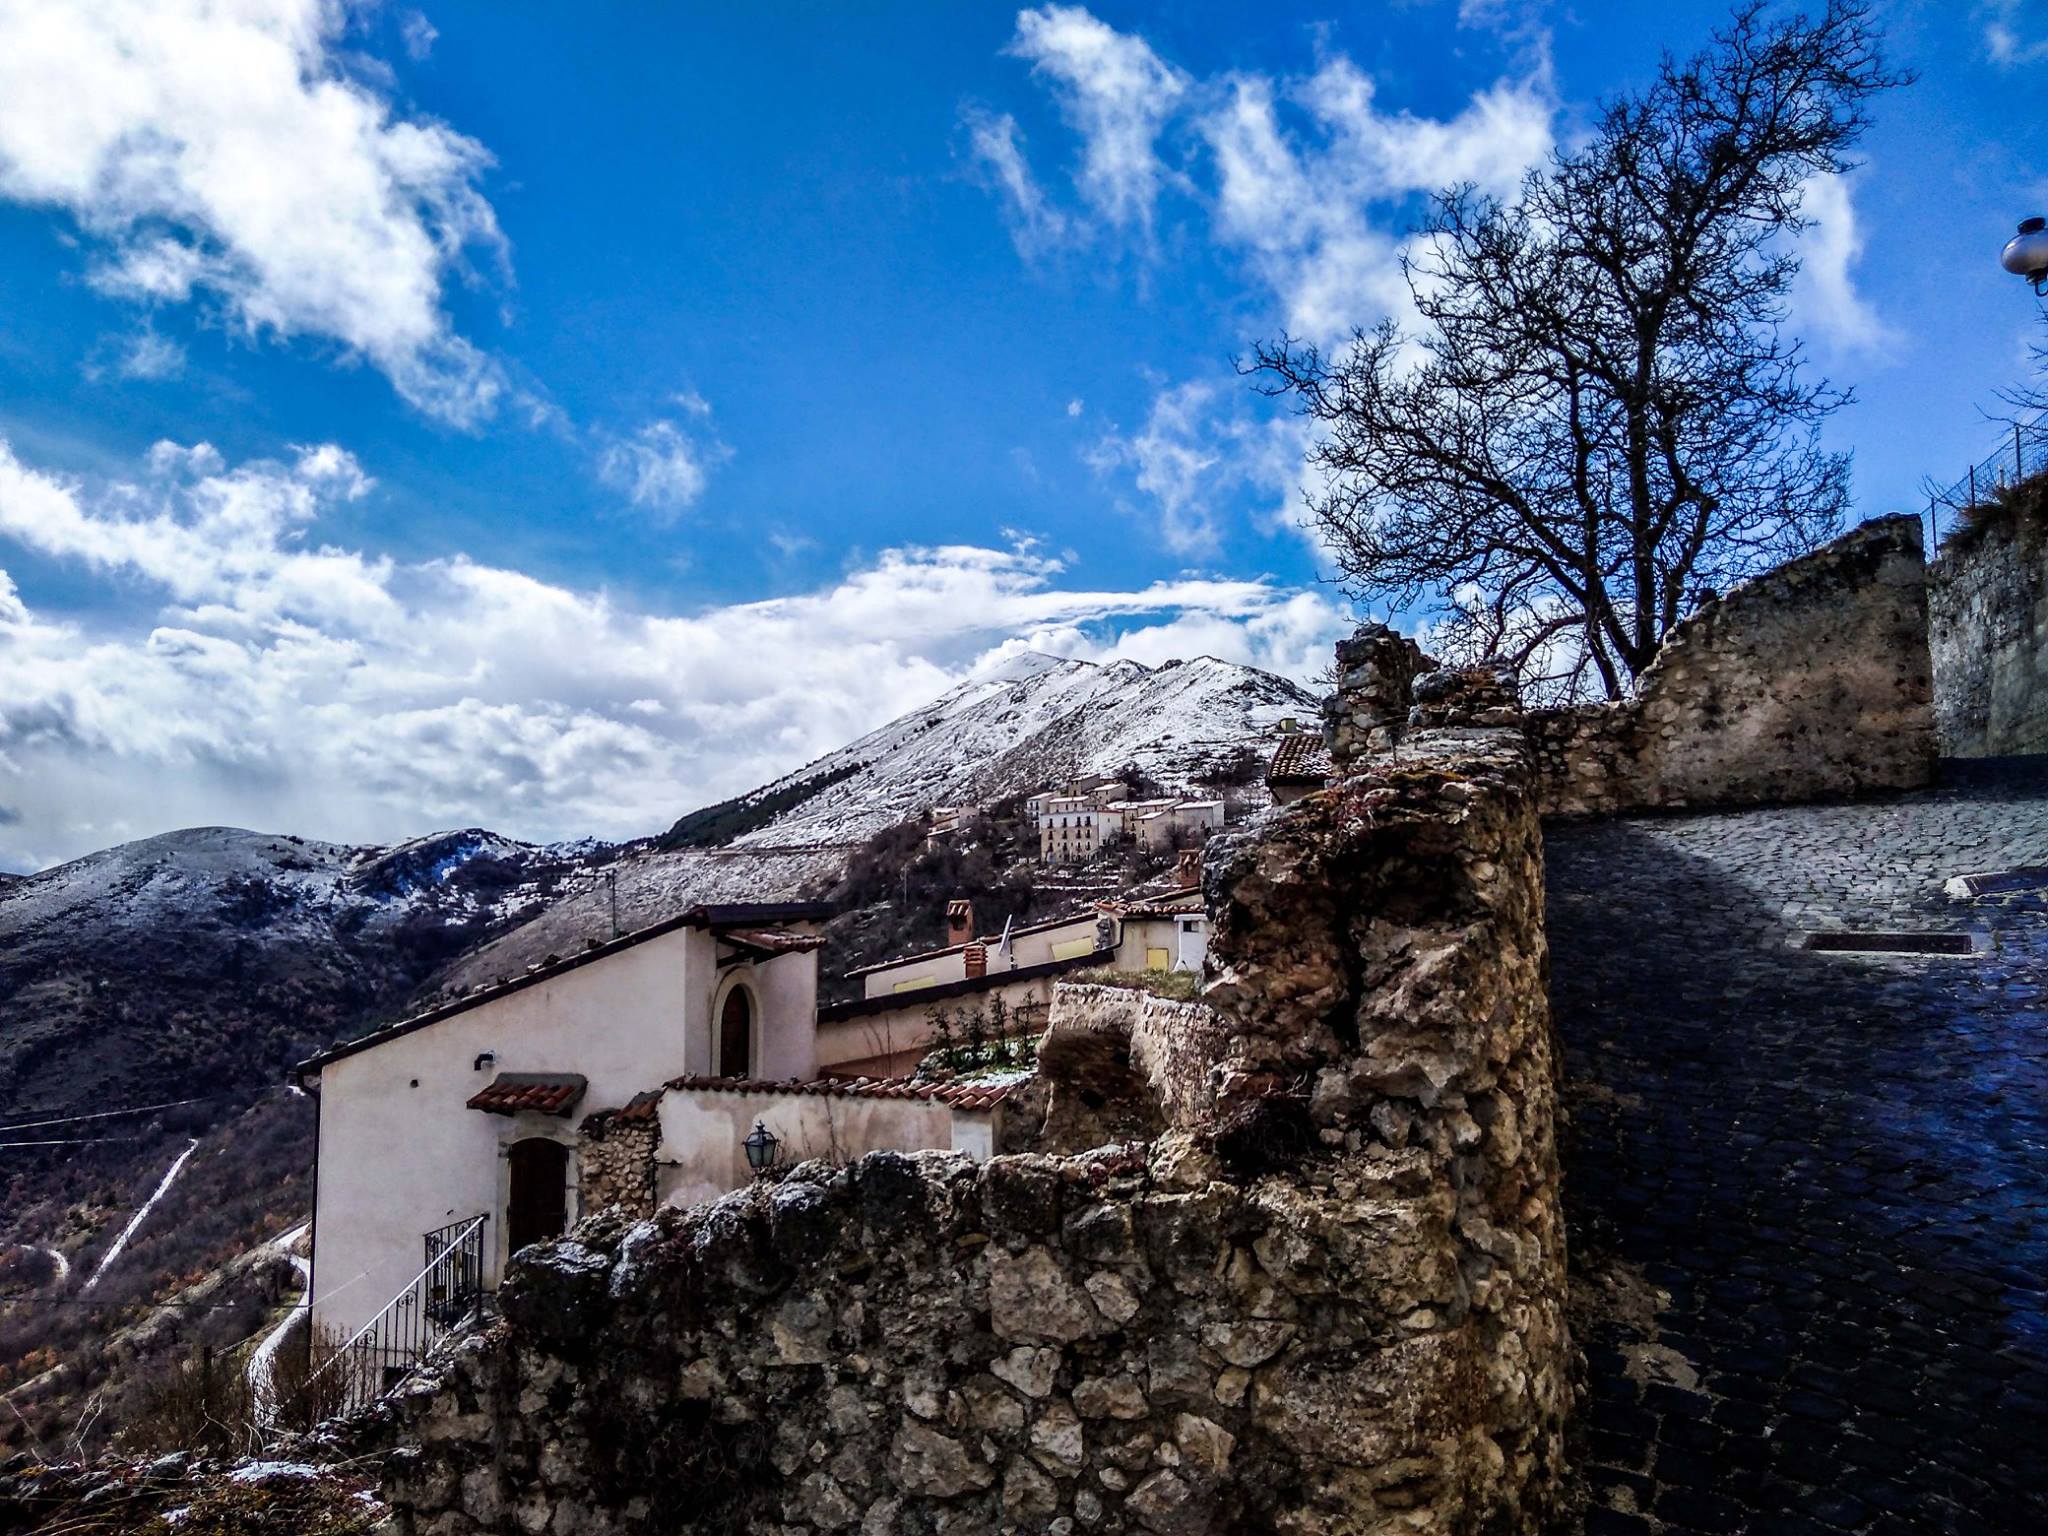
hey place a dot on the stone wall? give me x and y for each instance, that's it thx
(615, 1159)
(1324, 1295)
(1810, 682)
(1988, 626)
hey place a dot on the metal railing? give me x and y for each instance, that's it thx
(2022, 456)
(391, 1345)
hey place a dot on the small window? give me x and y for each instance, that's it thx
(736, 1034)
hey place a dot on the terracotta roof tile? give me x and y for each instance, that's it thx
(546, 1093)
(1300, 758)
(967, 1096)
(772, 941)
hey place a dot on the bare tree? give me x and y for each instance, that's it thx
(1601, 416)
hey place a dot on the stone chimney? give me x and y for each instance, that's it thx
(976, 958)
(1188, 872)
(959, 921)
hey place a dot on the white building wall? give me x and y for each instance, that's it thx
(702, 1154)
(1176, 943)
(401, 1154)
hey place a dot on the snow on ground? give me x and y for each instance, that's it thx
(1038, 720)
(170, 1177)
(262, 1368)
(63, 1275)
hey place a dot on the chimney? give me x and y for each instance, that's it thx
(959, 921)
(976, 958)
(1189, 870)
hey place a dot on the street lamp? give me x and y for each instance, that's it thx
(761, 1144)
(2026, 254)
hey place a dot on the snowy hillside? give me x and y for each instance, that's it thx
(1038, 720)
(204, 958)
(1035, 722)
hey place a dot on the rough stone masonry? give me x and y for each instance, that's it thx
(1326, 1296)
(1988, 609)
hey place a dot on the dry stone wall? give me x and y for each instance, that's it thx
(1988, 626)
(1807, 683)
(615, 1159)
(1811, 682)
(1324, 1294)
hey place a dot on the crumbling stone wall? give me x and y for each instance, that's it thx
(1988, 627)
(1326, 1296)
(1376, 671)
(615, 1160)
(1811, 682)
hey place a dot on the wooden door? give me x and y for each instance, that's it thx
(736, 1034)
(539, 1205)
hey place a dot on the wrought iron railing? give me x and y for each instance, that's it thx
(390, 1346)
(2022, 456)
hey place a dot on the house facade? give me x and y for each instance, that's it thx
(473, 1108)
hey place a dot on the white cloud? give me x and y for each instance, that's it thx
(2009, 40)
(1308, 180)
(995, 143)
(248, 672)
(1201, 446)
(1117, 94)
(221, 151)
(664, 467)
(419, 35)
(1314, 182)
(1825, 301)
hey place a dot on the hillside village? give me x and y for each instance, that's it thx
(1577, 1068)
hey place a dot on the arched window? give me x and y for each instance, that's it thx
(736, 1034)
(537, 1206)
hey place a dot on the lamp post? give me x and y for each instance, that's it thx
(2026, 254)
(761, 1144)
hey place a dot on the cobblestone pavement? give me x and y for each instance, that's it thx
(1809, 1192)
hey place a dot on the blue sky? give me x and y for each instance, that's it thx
(557, 417)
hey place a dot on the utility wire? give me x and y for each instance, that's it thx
(104, 1114)
(73, 1141)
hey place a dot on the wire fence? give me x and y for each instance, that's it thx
(2022, 456)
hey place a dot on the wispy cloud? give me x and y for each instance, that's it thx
(1116, 93)
(279, 679)
(996, 146)
(1308, 181)
(418, 34)
(664, 466)
(1826, 302)
(2015, 32)
(184, 136)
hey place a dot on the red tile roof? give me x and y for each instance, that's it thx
(968, 1096)
(546, 1093)
(1301, 758)
(771, 941)
(642, 1106)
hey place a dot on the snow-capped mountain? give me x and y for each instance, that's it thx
(1032, 723)
(201, 960)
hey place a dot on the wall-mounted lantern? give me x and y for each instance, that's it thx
(2026, 254)
(761, 1144)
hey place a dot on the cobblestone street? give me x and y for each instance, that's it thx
(1809, 1192)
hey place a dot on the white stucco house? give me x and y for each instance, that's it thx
(687, 1033)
